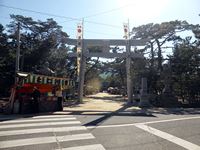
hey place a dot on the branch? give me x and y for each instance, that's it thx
(93, 66)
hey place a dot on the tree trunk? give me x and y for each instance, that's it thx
(122, 77)
(152, 55)
(159, 56)
(22, 63)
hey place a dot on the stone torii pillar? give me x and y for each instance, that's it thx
(128, 74)
(81, 77)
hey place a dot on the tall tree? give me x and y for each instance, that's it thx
(7, 63)
(185, 63)
(38, 38)
(159, 35)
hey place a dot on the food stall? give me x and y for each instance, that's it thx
(47, 85)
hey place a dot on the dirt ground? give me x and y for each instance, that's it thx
(99, 102)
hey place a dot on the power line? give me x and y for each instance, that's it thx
(107, 11)
(104, 24)
(67, 27)
(38, 12)
(58, 16)
(104, 12)
(88, 31)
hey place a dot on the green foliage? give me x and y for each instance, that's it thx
(185, 66)
(159, 34)
(38, 38)
(7, 63)
(40, 41)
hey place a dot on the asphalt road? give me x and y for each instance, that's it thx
(119, 129)
(129, 133)
(45, 132)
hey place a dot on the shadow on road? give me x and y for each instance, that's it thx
(119, 112)
(143, 112)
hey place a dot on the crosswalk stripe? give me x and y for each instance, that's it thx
(43, 130)
(39, 124)
(86, 147)
(52, 123)
(35, 117)
(44, 140)
(52, 116)
(37, 120)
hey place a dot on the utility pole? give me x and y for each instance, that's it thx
(17, 52)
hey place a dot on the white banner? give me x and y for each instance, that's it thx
(79, 45)
(79, 31)
(126, 31)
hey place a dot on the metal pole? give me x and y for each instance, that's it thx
(17, 52)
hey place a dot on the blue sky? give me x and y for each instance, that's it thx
(113, 13)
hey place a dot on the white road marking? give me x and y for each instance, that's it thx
(171, 120)
(37, 120)
(44, 140)
(38, 124)
(34, 117)
(111, 126)
(150, 122)
(169, 137)
(42, 130)
(86, 147)
(52, 116)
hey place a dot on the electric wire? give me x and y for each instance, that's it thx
(107, 11)
(58, 16)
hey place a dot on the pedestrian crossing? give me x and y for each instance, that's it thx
(46, 132)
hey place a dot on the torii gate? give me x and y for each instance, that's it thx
(105, 43)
